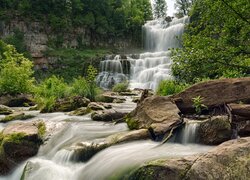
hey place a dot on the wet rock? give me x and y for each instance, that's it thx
(80, 111)
(21, 100)
(172, 169)
(5, 110)
(229, 160)
(85, 150)
(128, 93)
(16, 116)
(244, 128)
(19, 141)
(240, 109)
(107, 115)
(119, 100)
(95, 106)
(214, 93)
(215, 130)
(156, 113)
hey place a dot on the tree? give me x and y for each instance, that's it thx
(216, 43)
(160, 8)
(183, 7)
(15, 71)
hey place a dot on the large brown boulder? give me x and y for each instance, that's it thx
(230, 161)
(19, 141)
(108, 115)
(214, 93)
(156, 113)
(215, 130)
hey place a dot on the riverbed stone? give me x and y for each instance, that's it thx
(230, 160)
(80, 111)
(16, 116)
(215, 130)
(5, 110)
(156, 113)
(96, 106)
(214, 93)
(107, 115)
(19, 141)
(20, 100)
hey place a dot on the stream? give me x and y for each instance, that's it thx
(55, 162)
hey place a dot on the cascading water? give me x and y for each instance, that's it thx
(146, 71)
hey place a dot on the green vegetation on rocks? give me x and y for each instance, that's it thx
(121, 87)
(169, 87)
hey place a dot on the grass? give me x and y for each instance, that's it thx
(120, 87)
(170, 87)
(41, 129)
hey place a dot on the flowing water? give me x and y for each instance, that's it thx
(56, 161)
(145, 70)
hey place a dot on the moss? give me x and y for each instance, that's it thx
(41, 129)
(132, 124)
(13, 117)
(14, 138)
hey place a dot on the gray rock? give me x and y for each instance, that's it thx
(5, 110)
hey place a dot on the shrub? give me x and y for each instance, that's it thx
(120, 87)
(198, 105)
(91, 77)
(15, 71)
(169, 87)
(80, 87)
(49, 91)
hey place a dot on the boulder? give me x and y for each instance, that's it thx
(20, 100)
(156, 113)
(95, 106)
(107, 115)
(19, 141)
(243, 128)
(229, 160)
(214, 93)
(240, 109)
(5, 110)
(80, 111)
(215, 130)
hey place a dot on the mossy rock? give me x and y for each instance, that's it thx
(16, 116)
(132, 123)
(80, 111)
(5, 110)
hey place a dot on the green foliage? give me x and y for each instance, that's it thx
(100, 16)
(160, 8)
(121, 87)
(169, 87)
(183, 7)
(80, 87)
(15, 71)
(41, 128)
(91, 75)
(198, 105)
(49, 91)
(216, 42)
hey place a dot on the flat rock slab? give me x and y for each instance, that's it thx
(214, 93)
(29, 128)
(240, 109)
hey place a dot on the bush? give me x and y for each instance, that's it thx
(120, 87)
(49, 91)
(169, 87)
(15, 71)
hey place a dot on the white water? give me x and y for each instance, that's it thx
(57, 161)
(151, 67)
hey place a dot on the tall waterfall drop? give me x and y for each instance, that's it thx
(145, 70)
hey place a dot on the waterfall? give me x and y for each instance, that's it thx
(188, 133)
(148, 69)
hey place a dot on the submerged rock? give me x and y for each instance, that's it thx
(5, 110)
(19, 141)
(156, 113)
(214, 93)
(215, 130)
(229, 160)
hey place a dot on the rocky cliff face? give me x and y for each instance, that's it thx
(37, 36)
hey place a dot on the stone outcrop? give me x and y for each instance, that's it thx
(215, 130)
(158, 114)
(19, 141)
(230, 160)
(214, 93)
(80, 111)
